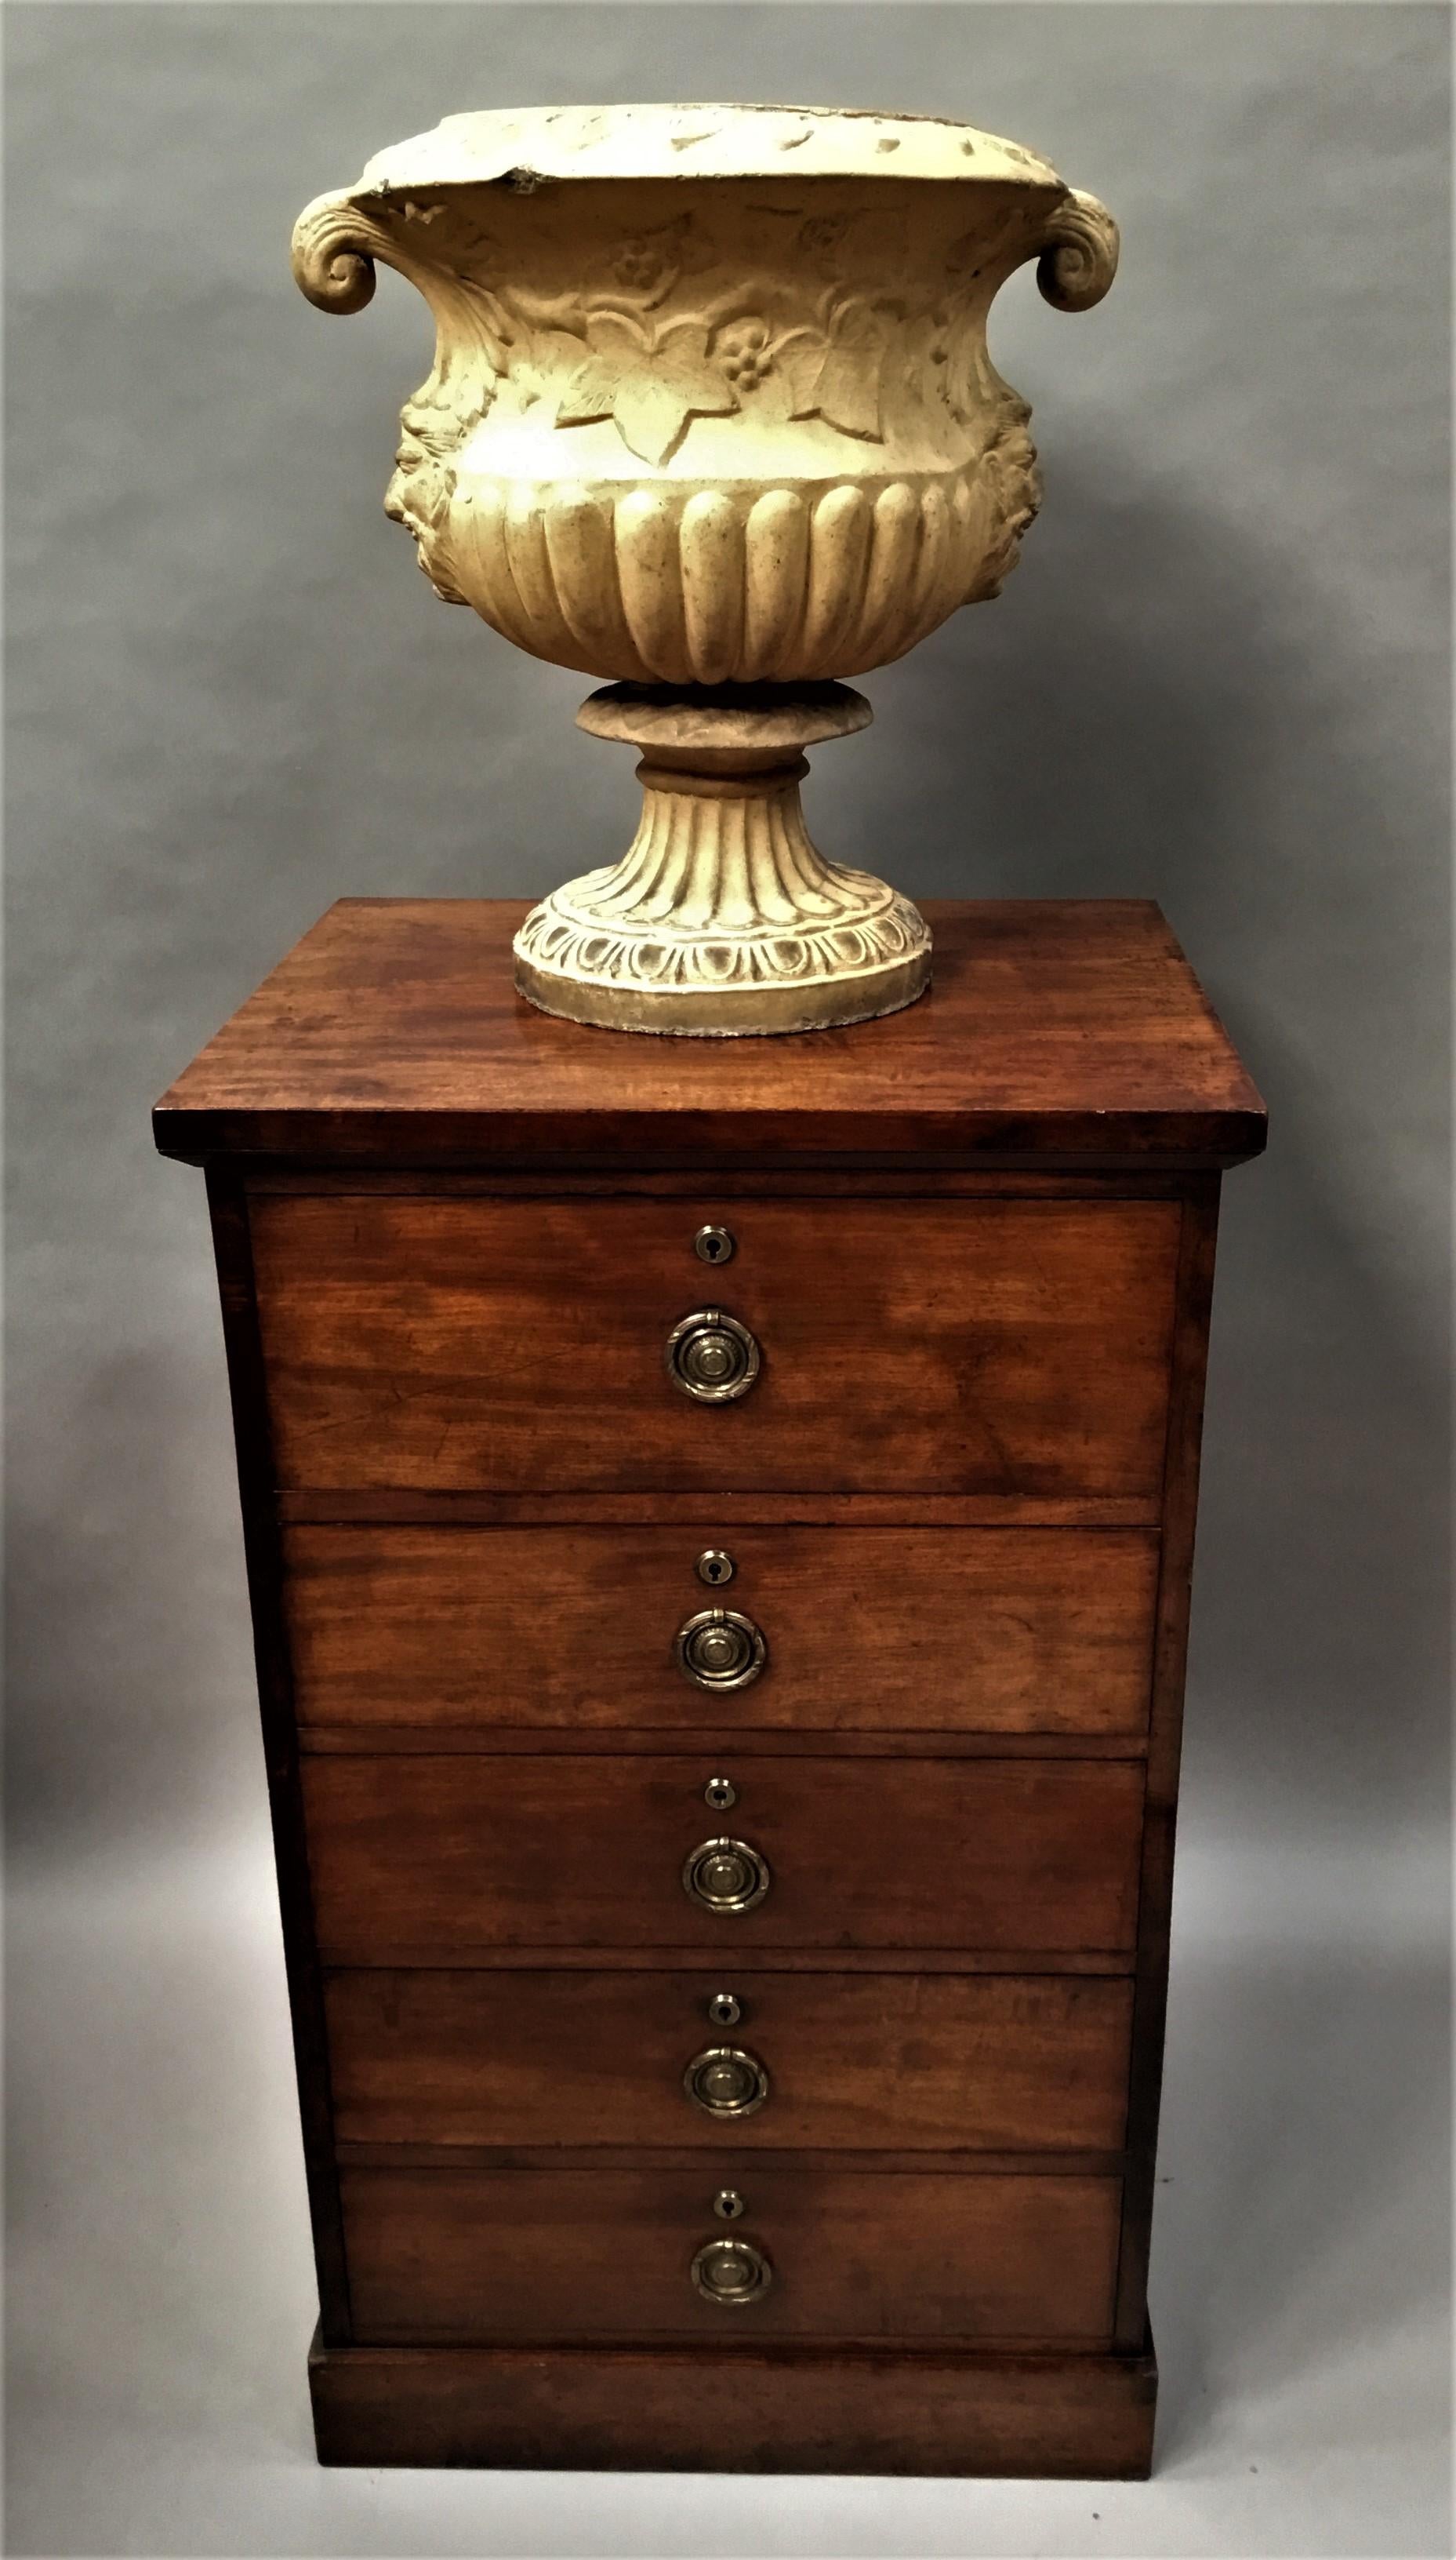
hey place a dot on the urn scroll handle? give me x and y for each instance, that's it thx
(1077, 255)
(335, 246)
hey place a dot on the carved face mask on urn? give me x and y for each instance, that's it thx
(711, 415)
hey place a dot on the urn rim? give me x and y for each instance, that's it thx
(523, 148)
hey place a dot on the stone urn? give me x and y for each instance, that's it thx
(711, 416)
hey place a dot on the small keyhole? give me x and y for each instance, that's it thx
(728, 2204)
(724, 2009)
(720, 1793)
(715, 1567)
(713, 1244)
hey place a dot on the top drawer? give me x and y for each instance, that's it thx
(952, 1346)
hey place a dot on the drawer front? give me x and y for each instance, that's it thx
(414, 1853)
(1011, 1631)
(473, 2254)
(822, 2062)
(1002, 1346)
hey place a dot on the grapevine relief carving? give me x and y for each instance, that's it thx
(648, 348)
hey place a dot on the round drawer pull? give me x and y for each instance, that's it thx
(726, 2082)
(732, 2272)
(711, 1356)
(720, 1649)
(726, 1875)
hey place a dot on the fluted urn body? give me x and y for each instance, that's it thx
(711, 409)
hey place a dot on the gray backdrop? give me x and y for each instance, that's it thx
(1219, 677)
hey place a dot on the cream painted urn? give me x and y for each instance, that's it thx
(711, 416)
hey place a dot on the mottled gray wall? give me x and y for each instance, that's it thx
(1220, 678)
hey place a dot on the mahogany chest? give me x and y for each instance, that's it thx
(719, 1519)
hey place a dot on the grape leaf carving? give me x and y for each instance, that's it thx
(651, 382)
(846, 393)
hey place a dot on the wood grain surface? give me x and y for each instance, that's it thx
(392, 1035)
(1002, 1346)
(719, 1509)
(461, 1852)
(1069, 2415)
(464, 2254)
(1045, 1631)
(856, 2062)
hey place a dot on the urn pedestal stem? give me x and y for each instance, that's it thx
(723, 917)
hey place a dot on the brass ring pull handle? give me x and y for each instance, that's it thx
(726, 1875)
(711, 1356)
(732, 2272)
(720, 1649)
(726, 2082)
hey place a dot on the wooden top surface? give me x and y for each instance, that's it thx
(391, 1034)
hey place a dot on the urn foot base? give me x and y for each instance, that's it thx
(728, 1012)
(723, 920)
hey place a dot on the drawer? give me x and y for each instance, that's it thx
(470, 2254)
(960, 1347)
(940, 2063)
(448, 1852)
(990, 1630)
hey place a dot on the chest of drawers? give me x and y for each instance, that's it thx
(719, 1520)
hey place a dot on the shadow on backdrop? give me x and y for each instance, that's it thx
(1134, 718)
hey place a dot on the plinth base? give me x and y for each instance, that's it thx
(990, 2415)
(723, 919)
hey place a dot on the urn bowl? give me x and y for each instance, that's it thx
(711, 401)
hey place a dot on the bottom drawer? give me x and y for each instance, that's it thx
(479, 2254)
